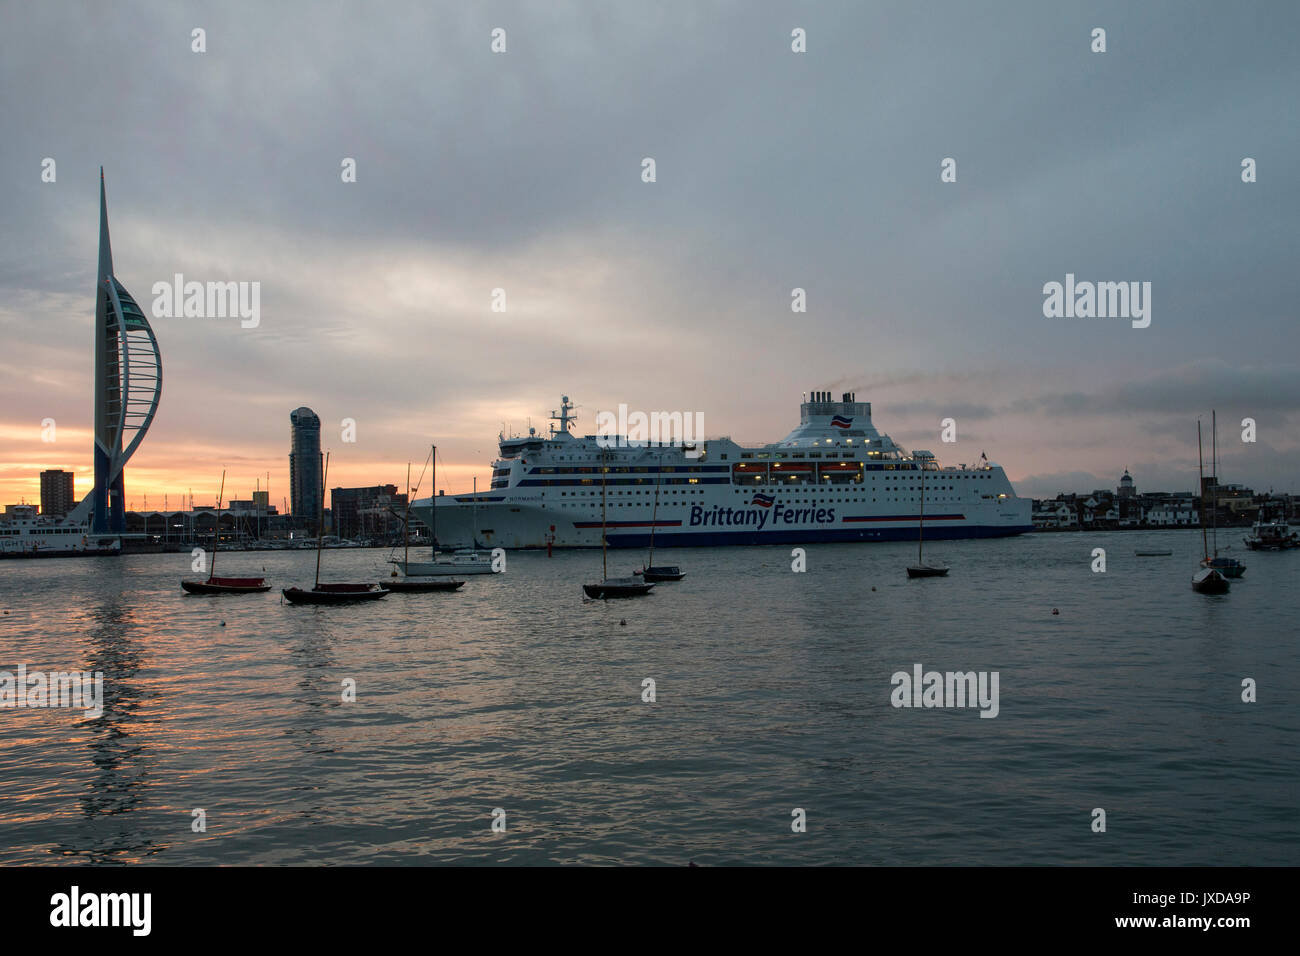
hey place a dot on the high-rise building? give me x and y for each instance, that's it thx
(304, 465)
(57, 495)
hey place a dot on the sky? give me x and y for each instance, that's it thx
(522, 170)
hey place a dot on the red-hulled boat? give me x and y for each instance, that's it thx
(214, 584)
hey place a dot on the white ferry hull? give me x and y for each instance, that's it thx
(514, 524)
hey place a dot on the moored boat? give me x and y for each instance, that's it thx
(664, 572)
(1228, 567)
(608, 587)
(923, 568)
(617, 588)
(651, 572)
(215, 585)
(334, 593)
(927, 570)
(1209, 581)
(1272, 536)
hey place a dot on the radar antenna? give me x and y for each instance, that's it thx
(564, 416)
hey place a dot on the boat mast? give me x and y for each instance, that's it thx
(654, 517)
(320, 525)
(1214, 477)
(406, 521)
(1200, 470)
(920, 524)
(433, 503)
(604, 563)
(216, 529)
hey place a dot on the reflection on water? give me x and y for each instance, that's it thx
(772, 693)
(116, 739)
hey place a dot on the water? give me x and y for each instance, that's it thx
(773, 692)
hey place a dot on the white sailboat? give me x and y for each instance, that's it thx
(461, 562)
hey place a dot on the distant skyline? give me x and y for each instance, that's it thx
(775, 170)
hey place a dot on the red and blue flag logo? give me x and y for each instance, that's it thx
(762, 500)
(839, 421)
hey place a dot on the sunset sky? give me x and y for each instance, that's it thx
(775, 170)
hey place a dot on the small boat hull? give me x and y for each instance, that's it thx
(1228, 567)
(334, 594)
(1153, 554)
(1209, 581)
(926, 571)
(667, 572)
(215, 585)
(434, 569)
(409, 586)
(617, 588)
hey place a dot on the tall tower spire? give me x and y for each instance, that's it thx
(128, 384)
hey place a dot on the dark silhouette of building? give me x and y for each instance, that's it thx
(57, 492)
(373, 511)
(304, 465)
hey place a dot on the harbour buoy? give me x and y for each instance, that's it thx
(622, 622)
(223, 623)
(1056, 610)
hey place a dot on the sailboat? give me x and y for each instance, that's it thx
(1228, 567)
(664, 572)
(922, 568)
(612, 587)
(214, 584)
(411, 583)
(462, 562)
(330, 593)
(1207, 580)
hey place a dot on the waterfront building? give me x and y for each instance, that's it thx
(366, 511)
(58, 495)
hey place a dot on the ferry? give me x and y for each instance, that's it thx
(25, 534)
(834, 478)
